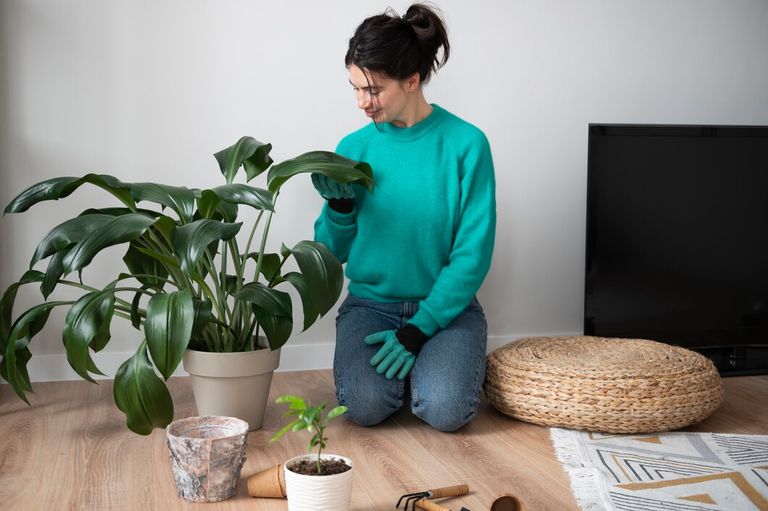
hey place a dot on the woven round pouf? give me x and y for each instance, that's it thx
(602, 384)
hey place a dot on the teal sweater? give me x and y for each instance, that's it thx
(426, 233)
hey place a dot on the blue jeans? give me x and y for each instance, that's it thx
(446, 379)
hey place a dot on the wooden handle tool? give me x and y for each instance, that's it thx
(449, 491)
(428, 505)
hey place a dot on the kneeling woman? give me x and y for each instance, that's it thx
(416, 249)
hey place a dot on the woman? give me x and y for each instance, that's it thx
(418, 247)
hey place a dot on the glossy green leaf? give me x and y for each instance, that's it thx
(87, 323)
(118, 230)
(230, 284)
(163, 258)
(180, 199)
(247, 152)
(7, 302)
(141, 395)
(61, 187)
(68, 233)
(17, 340)
(237, 193)
(53, 273)
(270, 265)
(322, 271)
(136, 306)
(203, 315)
(22, 357)
(168, 328)
(277, 329)
(338, 168)
(298, 281)
(139, 263)
(271, 300)
(190, 241)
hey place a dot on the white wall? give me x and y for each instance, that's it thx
(148, 90)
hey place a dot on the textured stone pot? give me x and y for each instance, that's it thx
(318, 493)
(232, 384)
(206, 455)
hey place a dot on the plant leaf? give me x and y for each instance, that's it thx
(68, 233)
(339, 410)
(141, 395)
(168, 328)
(179, 198)
(88, 322)
(270, 265)
(277, 329)
(191, 240)
(61, 187)
(203, 313)
(285, 429)
(118, 230)
(336, 167)
(18, 339)
(322, 271)
(271, 300)
(310, 310)
(294, 402)
(22, 357)
(248, 152)
(135, 315)
(140, 263)
(6, 305)
(237, 193)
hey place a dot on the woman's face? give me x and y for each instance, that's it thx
(382, 99)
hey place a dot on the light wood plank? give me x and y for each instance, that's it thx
(71, 450)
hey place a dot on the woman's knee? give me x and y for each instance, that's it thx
(445, 414)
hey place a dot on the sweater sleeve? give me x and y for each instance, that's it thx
(336, 231)
(470, 257)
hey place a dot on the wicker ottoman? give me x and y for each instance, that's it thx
(600, 384)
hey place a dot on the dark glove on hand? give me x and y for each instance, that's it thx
(398, 354)
(340, 196)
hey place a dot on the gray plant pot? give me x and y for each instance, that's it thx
(232, 384)
(206, 455)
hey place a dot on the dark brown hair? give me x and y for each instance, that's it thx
(400, 46)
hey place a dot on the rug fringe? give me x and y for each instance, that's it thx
(585, 480)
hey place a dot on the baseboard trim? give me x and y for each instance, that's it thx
(295, 357)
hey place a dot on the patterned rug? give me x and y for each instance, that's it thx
(665, 471)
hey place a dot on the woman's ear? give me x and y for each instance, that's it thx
(413, 82)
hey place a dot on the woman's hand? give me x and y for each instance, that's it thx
(392, 359)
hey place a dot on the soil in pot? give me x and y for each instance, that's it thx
(328, 467)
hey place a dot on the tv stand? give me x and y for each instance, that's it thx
(737, 360)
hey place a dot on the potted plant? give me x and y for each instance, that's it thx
(187, 283)
(322, 481)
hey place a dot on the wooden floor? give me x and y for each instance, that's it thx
(71, 450)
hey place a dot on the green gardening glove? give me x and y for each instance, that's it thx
(394, 358)
(330, 189)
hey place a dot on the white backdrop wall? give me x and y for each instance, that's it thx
(148, 90)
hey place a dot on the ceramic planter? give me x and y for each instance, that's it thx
(206, 456)
(232, 384)
(318, 493)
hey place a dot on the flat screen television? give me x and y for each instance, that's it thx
(677, 239)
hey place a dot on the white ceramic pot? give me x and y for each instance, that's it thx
(232, 384)
(318, 493)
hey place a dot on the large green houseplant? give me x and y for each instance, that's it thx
(186, 282)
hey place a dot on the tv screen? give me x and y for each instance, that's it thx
(677, 239)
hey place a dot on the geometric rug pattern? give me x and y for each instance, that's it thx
(665, 471)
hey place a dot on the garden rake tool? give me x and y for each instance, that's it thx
(421, 497)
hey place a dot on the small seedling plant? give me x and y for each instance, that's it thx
(310, 418)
